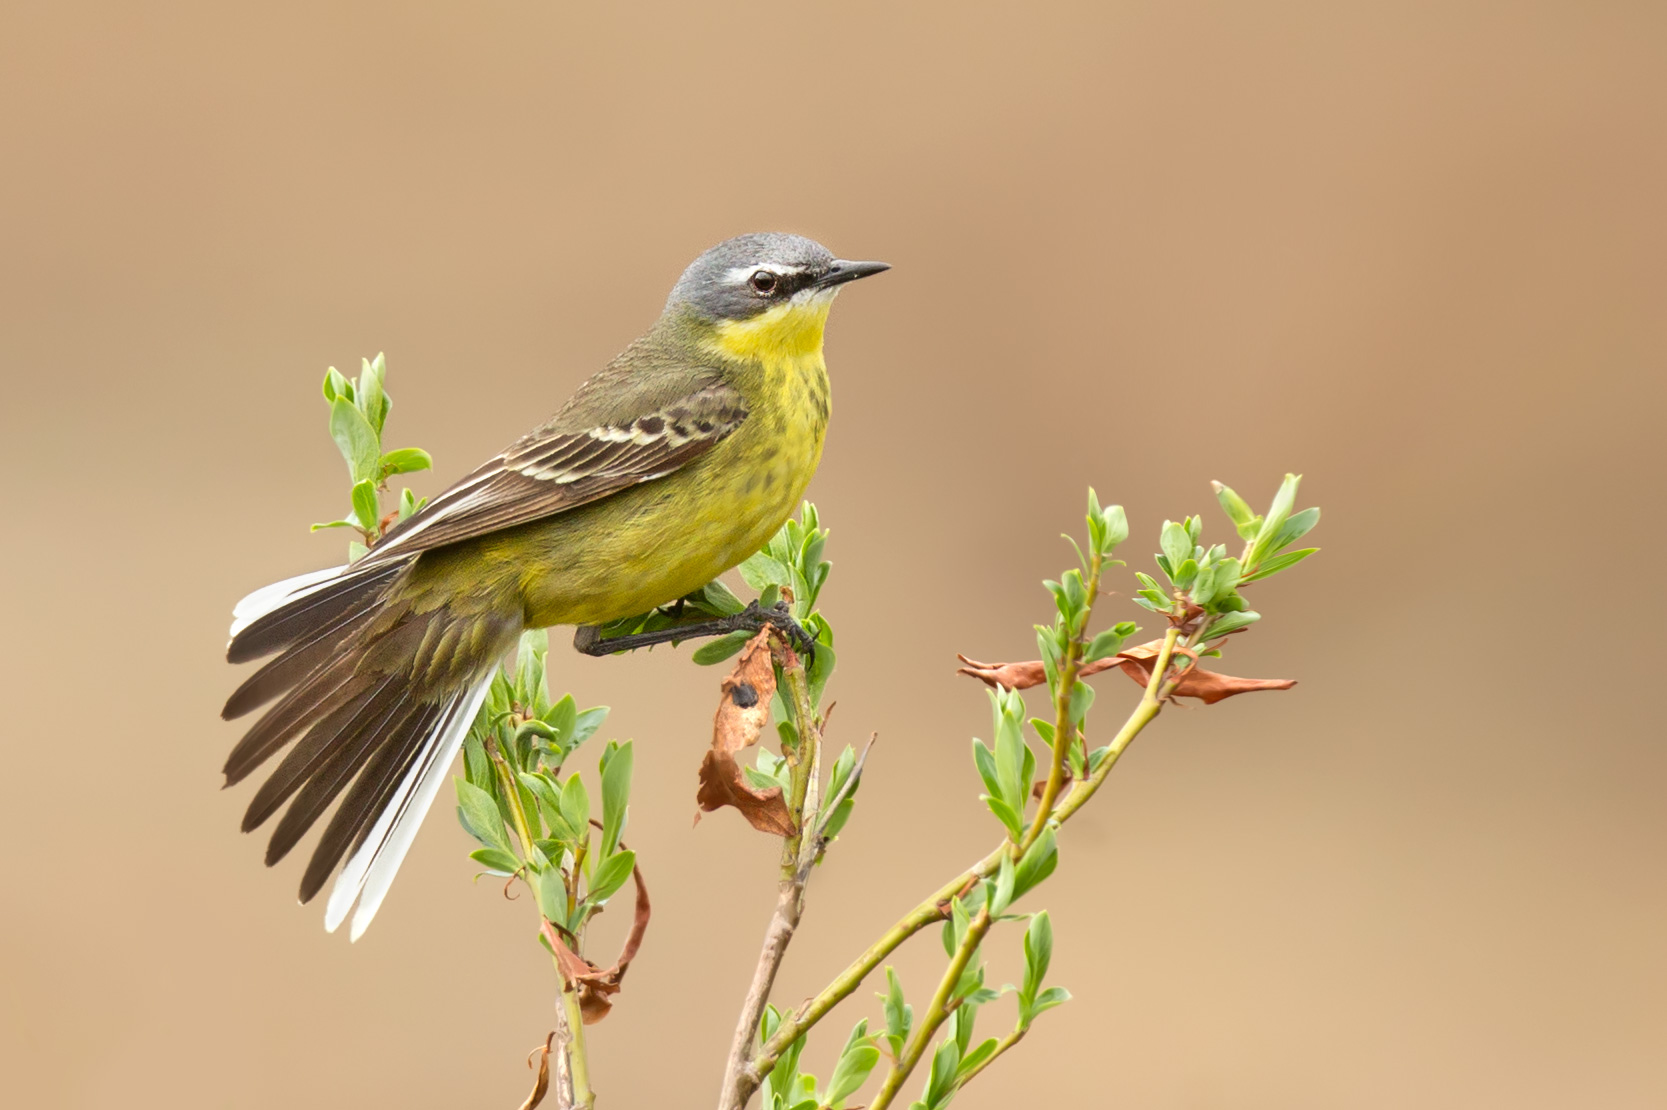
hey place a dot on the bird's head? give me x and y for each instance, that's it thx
(765, 295)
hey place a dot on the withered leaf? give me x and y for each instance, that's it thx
(541, 1085)
(1136, 662)
(597, 987)
(743, 711)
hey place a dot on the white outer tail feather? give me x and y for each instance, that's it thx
(371, 870)
(268, 598)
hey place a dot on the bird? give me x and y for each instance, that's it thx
(673, 464)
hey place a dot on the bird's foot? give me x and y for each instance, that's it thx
(588, 639)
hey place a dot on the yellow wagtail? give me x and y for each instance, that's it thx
(670, 466)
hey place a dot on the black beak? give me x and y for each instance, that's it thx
(842, 271)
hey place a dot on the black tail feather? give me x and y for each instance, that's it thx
(383, 721)
(324, 691)
(306, 655)
(313, 749)
(371, 792)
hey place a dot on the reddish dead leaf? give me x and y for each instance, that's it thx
(541, 1085)
(1136, 662)
(1208, 686)
(1021, 676)
(597, 987)
(743, 711)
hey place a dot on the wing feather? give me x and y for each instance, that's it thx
(558, 468)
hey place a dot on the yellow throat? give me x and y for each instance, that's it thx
(786, 333)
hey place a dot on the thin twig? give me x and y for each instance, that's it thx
(1002, 1045)
(936, 1013)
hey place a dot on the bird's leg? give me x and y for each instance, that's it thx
(588, 640)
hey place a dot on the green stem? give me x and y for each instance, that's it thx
(578, 1062)
(512, 794)
(804, 784)
(936, 1014)
(1002, 1045)
(1151, 704)
(1064, 729)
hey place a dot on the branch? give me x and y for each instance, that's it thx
(798, 853)
(1002, 1045)
(937, 1013)
(935, 907)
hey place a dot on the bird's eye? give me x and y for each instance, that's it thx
(763, 281)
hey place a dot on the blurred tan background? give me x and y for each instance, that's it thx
(1414, 251)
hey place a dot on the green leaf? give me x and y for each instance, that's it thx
(720, 599)
(477, 767)
(1298, 526)
(480, 815)
(611, 876)
(1176, 544)
(1232, 622)
(348, 523)
(899, 1014)
(575, 804)
(985, 760)
(820, 670)
(405, 460)
(940, 1082)
(1006, 814)
(841, 771)
(367, 507)
(1109, 642)
(852, 1070)
(716, 651)
(497, 859)
(1117, 527)
(616, 793)
(1082, 697)
(336, 385)
(356, 440)
(408, 503)
(1048, 999)
(1038, 946)
(1009, 747)
(1037, 863)
(373, 399)
(551, 892)
(1283, 502)
(1003, 895)
(974, 1059)
(762, 569)
(585, 725)
(560, 719)
(1236, 508)
(837, 819)
(1273, 566)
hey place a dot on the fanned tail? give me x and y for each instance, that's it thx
(376, 700)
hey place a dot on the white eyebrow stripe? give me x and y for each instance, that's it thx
(738, 274)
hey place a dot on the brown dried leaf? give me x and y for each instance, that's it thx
(597, 987)
(541, 1085)
(743, 711)
(1021, 676)
(1136, 662)
(1208, 686)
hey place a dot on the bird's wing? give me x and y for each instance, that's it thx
(570, 462)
